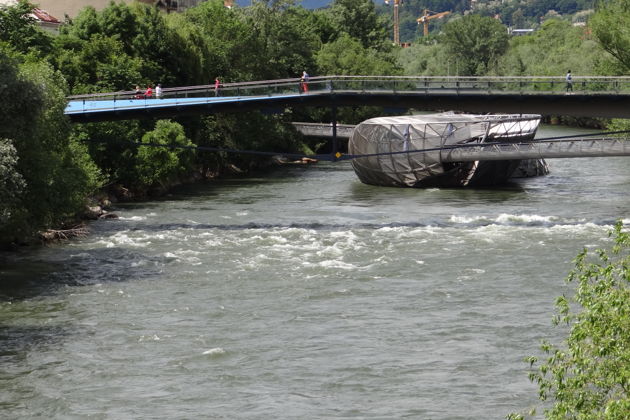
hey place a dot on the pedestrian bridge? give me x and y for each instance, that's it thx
(591, 96)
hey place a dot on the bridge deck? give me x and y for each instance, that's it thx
(593, 96)
(129, 107)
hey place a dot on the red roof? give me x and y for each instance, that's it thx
(43, 16)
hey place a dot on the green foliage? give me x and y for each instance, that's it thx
(589, 376)
(158, 165)
(222, 40)
(476, 43)
(12, 183)
(284, 40)
(426, 60)
(619, 125)
(98, 64)
(359, 19)
(19, 30)
(125, 45)
(58, 175)
(111, 146)
(610, 26)
(550, 51)
(252, 130)
(347, 56)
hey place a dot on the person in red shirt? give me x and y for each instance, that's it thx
(149, 92)
(217, 86)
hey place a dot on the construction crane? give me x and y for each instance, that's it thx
(428, 15)
(396, 21)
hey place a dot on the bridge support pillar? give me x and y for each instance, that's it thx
(335, 141)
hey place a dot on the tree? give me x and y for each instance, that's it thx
(58, 174)
(589, 376)
(222, 40)
(476, 42)
(284, 39)
(158, 165)
(358, 19)
(610, 26)
(18, 29)
(518, 19)
(551, 50)
(426, 59)
(348, 56)
(124, 45)
(97, 64)
(12, 183)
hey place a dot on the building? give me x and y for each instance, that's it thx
(71, 8)
(520, 32)
(45, 20)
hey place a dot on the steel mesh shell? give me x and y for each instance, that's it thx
(406, 150)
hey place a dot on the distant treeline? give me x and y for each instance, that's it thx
(512, 13)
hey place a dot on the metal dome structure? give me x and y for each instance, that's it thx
(407, 151)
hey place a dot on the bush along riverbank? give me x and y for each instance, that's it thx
(101, 205)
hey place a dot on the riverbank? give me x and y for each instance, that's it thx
(101, 204)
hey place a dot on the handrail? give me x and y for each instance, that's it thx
(494, 84)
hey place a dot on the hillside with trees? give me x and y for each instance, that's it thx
(518, 14)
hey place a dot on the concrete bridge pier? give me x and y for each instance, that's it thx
(335, 142)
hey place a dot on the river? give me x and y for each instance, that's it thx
(303, 293)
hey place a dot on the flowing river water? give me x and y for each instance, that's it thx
(303, 294)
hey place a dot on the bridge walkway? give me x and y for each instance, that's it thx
(591, 96)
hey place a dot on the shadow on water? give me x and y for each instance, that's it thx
(27, 278)
(17, 341)
(377, 194)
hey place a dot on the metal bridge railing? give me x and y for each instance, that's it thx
(591, 85)
(547, 149)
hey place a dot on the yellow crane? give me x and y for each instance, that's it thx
(396, 21)
(428, 15)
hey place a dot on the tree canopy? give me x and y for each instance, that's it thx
(611, 27)
(588, 376)
(46, 177)
(476, 42)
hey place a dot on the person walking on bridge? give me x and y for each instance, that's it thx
(217, 86)
(304, 82)
(149, 92)
(569, 80)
